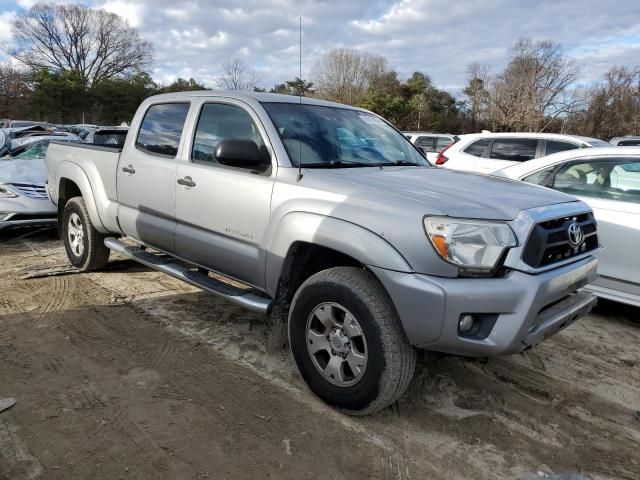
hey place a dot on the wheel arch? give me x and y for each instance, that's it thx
(74, 182)
(305, 243)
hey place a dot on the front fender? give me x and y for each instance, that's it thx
(345, 237)
(71, 171)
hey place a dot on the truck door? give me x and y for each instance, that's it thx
(222, 213)
(147, 176)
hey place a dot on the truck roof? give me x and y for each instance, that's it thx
(248, 97)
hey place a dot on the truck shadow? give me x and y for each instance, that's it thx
(620, 311)
(18, 235)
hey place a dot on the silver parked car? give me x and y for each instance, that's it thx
(23, 196)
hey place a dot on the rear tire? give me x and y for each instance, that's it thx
(83, 243)
(347, 342)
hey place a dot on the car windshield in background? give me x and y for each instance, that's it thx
(33, 151)
(332, 137)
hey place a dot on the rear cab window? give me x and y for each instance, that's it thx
(161, 128)
(514, 149)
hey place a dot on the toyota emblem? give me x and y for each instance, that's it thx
(576, 237)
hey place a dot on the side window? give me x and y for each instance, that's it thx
(478, 147)
(220, 121)
(443, 142)
(514, 149)
(427, 144)
(612, 179)
(554, 146)
(542, 177)
(162, 127)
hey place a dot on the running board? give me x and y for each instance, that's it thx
(177, 269)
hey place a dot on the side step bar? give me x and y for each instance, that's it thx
(165, 264)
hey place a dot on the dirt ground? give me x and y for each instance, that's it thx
(130, 374)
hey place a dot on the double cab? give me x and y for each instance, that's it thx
(331, 221)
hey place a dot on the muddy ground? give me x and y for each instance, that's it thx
(127, 373)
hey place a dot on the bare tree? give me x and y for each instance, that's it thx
(613, 106)
(15, 88)
(478, 79)
(236, 75)
(97, 44)
(536, 88)
(343, 75)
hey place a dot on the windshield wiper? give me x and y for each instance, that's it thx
(349, 164)
(338, 164)
(405, 163)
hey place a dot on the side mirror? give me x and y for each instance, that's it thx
(241, 154)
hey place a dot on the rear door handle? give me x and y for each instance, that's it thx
(129, 169)
(186, 182)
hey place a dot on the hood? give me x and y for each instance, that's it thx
(450, 192)
(23, 171)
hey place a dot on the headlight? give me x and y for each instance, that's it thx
(470, 244)
(6, 193)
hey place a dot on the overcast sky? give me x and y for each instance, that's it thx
(439, 37)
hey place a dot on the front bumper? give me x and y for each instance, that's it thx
(525, 308)
(27, 212)
(31, 222)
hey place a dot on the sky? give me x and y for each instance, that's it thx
(193, 38)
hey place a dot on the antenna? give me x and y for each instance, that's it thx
(300, 105)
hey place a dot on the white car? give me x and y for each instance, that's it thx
(489, 152)
(626, 141)
(431, 143)
(608, 179)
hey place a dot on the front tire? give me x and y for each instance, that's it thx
(83, 243)
(347, 342)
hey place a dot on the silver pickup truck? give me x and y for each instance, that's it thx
(327, 217)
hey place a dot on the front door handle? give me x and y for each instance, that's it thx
(186, 182)
(129, 169)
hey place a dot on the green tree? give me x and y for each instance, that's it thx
(300, 87)
(297, 86)
(116, 100)
(392, 107)
(59, 97)
(182, 85)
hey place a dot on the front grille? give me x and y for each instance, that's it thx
(31, 190)
(549, 241)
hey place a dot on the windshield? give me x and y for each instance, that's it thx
(33, 151)
(329, 137)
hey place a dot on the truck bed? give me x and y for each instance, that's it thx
(98, 164)
(90, 146)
